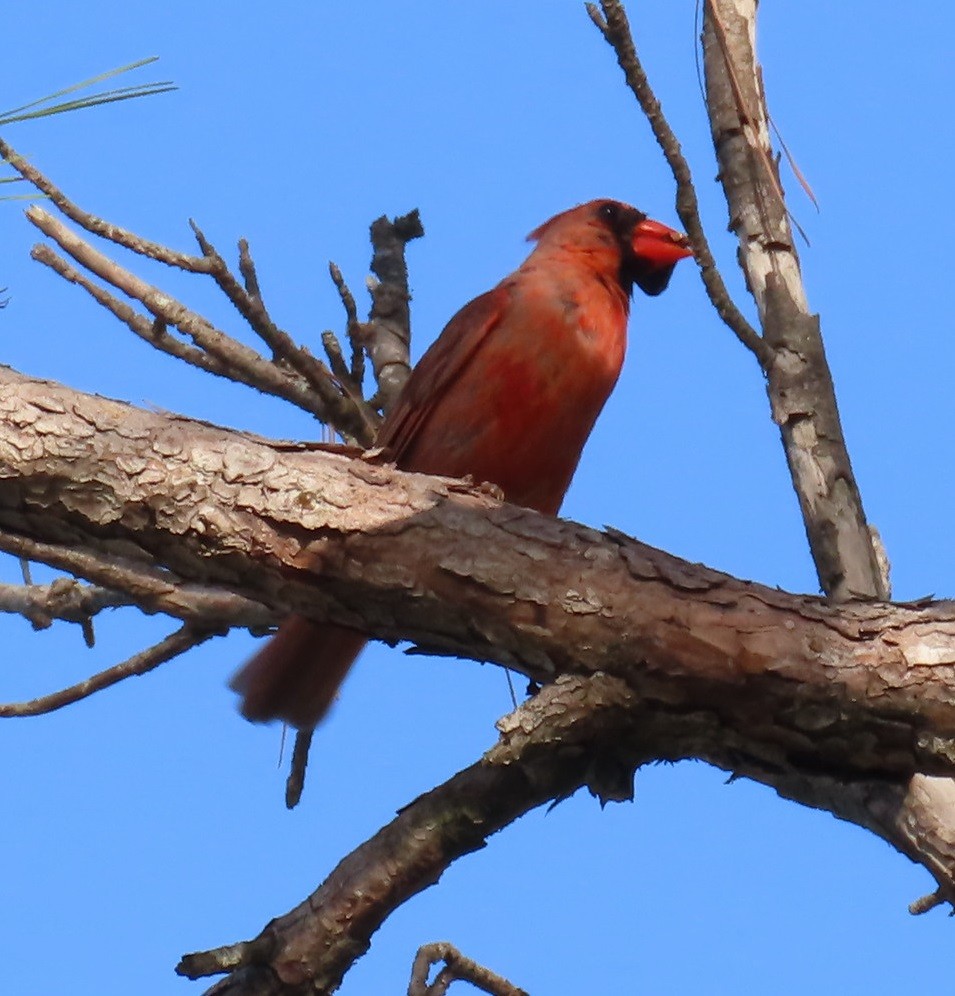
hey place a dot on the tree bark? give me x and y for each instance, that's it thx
(784, 688)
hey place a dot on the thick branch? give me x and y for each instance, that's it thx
(808, 695)
(799, 384)
(310, 953)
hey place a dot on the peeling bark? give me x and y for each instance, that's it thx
(799, 384)
(784, 688)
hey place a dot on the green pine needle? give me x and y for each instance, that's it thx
(39, 108)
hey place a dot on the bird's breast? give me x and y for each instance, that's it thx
(522, 409)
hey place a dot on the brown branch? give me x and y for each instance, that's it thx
(343, 405)
(612, 23)
(249, 275)
(216, 352)
(146, 586)
(149, 330)
(800, 386)
(387, 335)
(146, 660)
(311, 947)
(353, 327)
(97, 226)
(296, 778)
(64, 598)
(576, 732)
(457, 966)
(835, 706)
(827, 697)
(294, 374)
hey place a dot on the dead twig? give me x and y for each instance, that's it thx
(344, 407)
(65, 598)
(146, 660)
(293, 373)
(146, 586)
(353, 328)
(97, 226)
(213, 351)
(611, 21)
(387, 335)
(296, 776)
(457, 966)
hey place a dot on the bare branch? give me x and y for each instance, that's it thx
(457, 967)
(296, 779)
(387, 336)
(247, 269)
(852, 700)
(294, 373)
(146, 660)
(216, 353)
(153, 331)
(614, 26)
(799, 383)
(64, 598)
(342, 404)
(354, 328)
(146, 586)
(926, 903)
(315, 943)
(97, 226)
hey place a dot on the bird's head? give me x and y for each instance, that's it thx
(617, 238)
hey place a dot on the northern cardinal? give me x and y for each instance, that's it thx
(508, 393)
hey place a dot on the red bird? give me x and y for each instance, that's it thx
(508, 393)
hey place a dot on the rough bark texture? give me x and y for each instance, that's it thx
(850, 559)
(836, 706)
(799, 384)
(845, 707)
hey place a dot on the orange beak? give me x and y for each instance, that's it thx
(658, 244)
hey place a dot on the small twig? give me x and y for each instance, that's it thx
(615, 28)
(457, 967)
(146, 586)
(150, 330)
(925, 903)
(64, 598)
(146, 660)
(217, 352)
(353, 327)
(247, 269)
(224, 959)
(97, 226)
(296, 775)
(336, 358)
(345, 408)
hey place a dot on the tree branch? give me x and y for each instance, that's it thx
(799, 384)
(836, 706)
(293, 373)
(611, 20)
(387, 336)
(141, 663)
(457, 966)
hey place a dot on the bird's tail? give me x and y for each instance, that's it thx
(296, 675)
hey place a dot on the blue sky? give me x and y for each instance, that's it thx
(148, 821)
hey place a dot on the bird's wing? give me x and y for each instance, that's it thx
(438, 369)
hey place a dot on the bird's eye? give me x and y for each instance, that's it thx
(609, 212)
